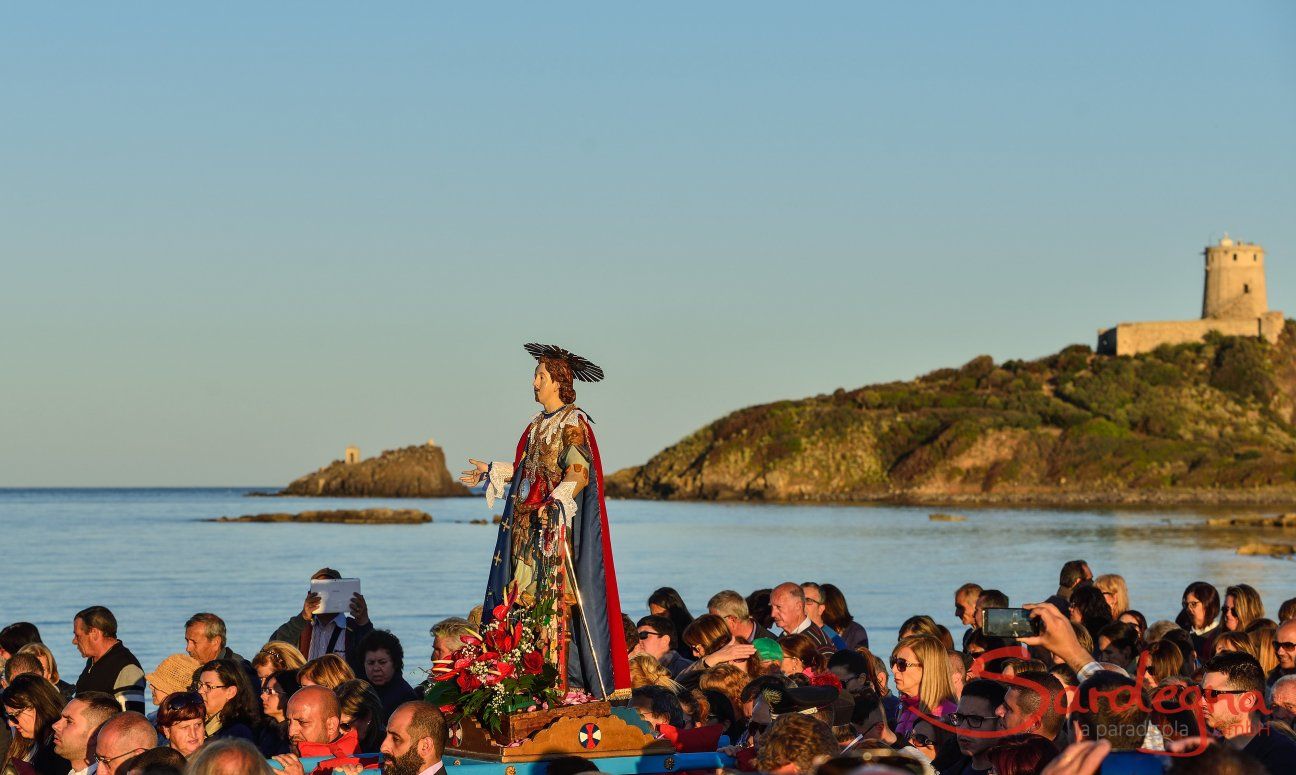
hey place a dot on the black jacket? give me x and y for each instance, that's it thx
(118, 673)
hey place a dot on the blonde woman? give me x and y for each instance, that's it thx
(1262, 633)
(1242, 606)
(920, 665)
(1114, 592)
(645, 670)
(329, 671)
(275, 656)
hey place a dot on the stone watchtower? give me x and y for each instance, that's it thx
(1234, 303)
(352, 455)
(1235, 281)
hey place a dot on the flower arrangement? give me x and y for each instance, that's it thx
(500, 670)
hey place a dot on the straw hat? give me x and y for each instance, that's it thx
(175, 674)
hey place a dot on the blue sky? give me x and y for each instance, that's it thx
(237, 238)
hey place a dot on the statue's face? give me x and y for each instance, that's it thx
(543, 386)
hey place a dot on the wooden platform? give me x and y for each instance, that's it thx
(592, 731)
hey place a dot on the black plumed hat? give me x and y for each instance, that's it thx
(581, 368)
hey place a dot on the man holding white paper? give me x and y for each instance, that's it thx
(323, 626)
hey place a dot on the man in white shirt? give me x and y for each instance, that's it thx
(416, 737)
(787, 604)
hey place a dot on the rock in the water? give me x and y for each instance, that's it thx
(342, 517)
(411, 472)
(1268, 550)
(1282, 520)
(947, 518)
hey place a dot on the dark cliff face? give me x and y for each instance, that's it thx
(1215, 415)
(411, 472)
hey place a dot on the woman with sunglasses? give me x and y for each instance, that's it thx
(1242, 605)
(31, 706)
(181, 719)
(362, 711)
(276, 688)
(922, 676)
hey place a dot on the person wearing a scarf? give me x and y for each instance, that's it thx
(315, 729)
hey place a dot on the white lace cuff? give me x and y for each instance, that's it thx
(562, 495)
(498, 477)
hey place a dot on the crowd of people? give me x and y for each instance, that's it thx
(1212, 692)
(324, 687)
(782, 679)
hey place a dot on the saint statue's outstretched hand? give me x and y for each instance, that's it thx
(554, 550)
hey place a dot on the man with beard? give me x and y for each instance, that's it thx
(416, 736)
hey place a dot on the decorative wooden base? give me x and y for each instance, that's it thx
(592, 731)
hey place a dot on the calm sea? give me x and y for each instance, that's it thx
(150, 556)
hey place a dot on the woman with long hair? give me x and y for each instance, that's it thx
(800, 655)
(32, 705)
(1242, 605)
(233, 708)
(362, 712)
(921, 668)
(667, 602)
(708, 637)
(1200, 617)
(181, 719)
(276, 688)
(1165, 660)
(837, 615)
(1262, 634)
(1114, 592)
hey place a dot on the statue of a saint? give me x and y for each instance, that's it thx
(554, 550)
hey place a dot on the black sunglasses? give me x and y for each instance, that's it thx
(645, 634)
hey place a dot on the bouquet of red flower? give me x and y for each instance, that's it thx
(499, 671)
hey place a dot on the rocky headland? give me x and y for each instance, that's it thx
(341, 517)
(410, 472)
(1191, 424)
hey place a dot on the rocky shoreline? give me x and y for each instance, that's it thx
(340, 517)
(1196, 499)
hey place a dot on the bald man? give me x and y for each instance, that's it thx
(314, 716)
(120, 738)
